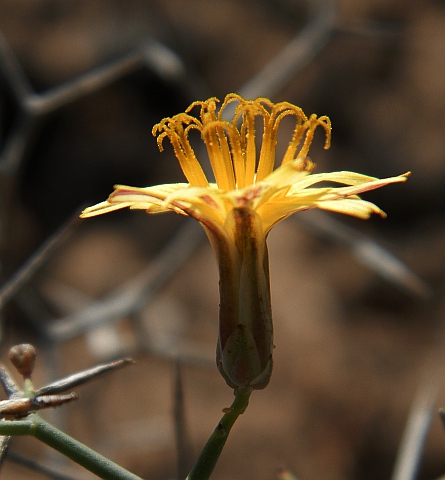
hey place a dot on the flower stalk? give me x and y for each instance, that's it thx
(205, 464)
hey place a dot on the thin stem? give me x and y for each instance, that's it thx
(412, 445)
(209, 455)
(181, 437)
(37, 427)
(81, 377)
(8, 383)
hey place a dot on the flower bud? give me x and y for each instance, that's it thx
(23, 357)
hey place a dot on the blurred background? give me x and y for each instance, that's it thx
(358, 306)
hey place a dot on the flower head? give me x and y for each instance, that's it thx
(246, 198)
(242, 176)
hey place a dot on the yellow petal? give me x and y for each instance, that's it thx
(351, 206)
(290, 173)
(101, 208)
(363, 182)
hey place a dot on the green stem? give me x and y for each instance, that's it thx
(209, 455)
(37, 427)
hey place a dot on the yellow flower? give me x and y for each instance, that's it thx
(247, 198)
